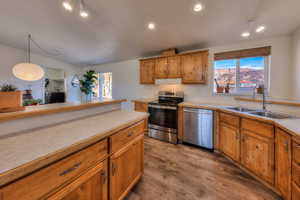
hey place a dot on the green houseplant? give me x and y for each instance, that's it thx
(87, 83)
(10, 98)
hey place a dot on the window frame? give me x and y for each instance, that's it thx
(245, 91)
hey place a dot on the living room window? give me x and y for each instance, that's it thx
(103, 87)
(240, 72)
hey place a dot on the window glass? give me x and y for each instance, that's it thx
(103, 87)
(225, 72)
(252, 72)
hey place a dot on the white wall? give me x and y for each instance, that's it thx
(126, 75)
(296, 64)
(10, 56)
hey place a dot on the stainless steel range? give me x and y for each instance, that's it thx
(163, 116)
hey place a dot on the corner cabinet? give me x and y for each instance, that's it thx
(147, 71)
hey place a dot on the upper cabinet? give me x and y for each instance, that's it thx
(194, 67)
(191, 67)
(147, 71)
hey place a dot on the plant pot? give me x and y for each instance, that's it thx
(11, 100)
(220, 89)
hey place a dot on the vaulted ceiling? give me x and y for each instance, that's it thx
(117, 30)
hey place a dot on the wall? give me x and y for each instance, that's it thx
(10, 56)
(126, 75)
(296, 63)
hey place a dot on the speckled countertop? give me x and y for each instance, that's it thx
(26, 147)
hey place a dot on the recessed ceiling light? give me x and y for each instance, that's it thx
(67, 5)
(198, 7)
(151, 26)
(260, 29)
(245, 34)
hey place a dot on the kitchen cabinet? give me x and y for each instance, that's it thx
(296, 171)
(147, 71)
(126, 168)
(90, 186)
(194, 67)
(229, 141)
(295, 192)
(257, 155)
(174, 67)
(140, 107)
(283, 154)
(161, 68)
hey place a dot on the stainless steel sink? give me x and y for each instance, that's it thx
(240, 109)
(271, 115)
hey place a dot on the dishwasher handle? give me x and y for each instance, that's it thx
(198, 111)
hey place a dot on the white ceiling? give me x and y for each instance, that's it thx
(117, 29)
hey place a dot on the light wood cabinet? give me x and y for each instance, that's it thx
(174, 67)
(147, 71)
(140, 107)
(126, 168)
(90, 186)
(283, 154)
(161, 68)
(194, 67)
(257, 154)
(295, 191)
(229, 141)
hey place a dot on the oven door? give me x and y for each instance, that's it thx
(163, 117)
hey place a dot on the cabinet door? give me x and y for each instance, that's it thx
(229, 141)
(174, 67)
(194, 67)
(140, 107)
(283, 154)
(126, 168)
(257, 154)
(161, 68)
(90, 186)
(147, 71)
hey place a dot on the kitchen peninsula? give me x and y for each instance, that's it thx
(61, 151)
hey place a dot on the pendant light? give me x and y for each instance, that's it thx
(83, 11)
(28, 71)
(67, 5)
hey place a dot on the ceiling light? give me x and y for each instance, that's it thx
(245, 34)
(83, 12)
(260, 29)
(151, 26)
(67, 5)
(198, 7)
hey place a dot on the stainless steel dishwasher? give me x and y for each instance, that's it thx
(198, 127)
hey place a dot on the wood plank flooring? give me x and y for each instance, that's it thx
(180, 172)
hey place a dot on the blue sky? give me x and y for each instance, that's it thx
(255, 62)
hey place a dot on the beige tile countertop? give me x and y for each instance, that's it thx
(290, 125)
(26, 150)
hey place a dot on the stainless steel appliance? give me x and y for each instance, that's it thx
(163, 116)
(198, 127)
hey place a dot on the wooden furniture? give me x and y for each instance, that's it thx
(169, 52)
(140, 107)
(191, 67)
(296, 171)
(11, 101)
(84, 174)
(147, 71)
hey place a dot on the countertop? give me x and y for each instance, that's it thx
(290, 125)
(144, 100)
(25, 152)
(55, 108)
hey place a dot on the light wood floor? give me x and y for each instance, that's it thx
(180, 172)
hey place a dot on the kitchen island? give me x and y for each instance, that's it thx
(84, 154)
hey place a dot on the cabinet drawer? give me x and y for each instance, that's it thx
(260, 128)
(296, 152)
(141, 107)
(296, 173)
(46, 180)
(120, 139)
(229, 119)
(295, 192)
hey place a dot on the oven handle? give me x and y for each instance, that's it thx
(163, 107)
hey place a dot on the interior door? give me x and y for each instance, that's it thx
(174, 67)
(93, 185)
(147, 71)
(283, 154)
(161, 68)
(126, 168)
(230, 141)
(257, 154)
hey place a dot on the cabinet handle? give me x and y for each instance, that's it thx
(67, 171)
(104, 177)
(129, 134)
(113, 169)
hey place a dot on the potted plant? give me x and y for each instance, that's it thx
(32, 102)
(10, 98)
(88, 83)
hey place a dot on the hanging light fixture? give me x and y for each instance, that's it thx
(67, 5)
(83, 11)
(28, 71)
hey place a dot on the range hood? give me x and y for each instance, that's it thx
(168, 81)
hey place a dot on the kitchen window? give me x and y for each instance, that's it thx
(103, 87)
(241, 71)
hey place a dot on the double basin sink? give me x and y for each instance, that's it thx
(261, 113)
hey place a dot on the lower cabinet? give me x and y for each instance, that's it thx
(230, 141)
(90, 186)
(126, 166)
(257, 154)
(283, 155)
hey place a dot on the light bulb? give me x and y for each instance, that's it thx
(245, 34)
(198, 7)
(67, 5)
(260, 29)
(151, 26)
(83, 12)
